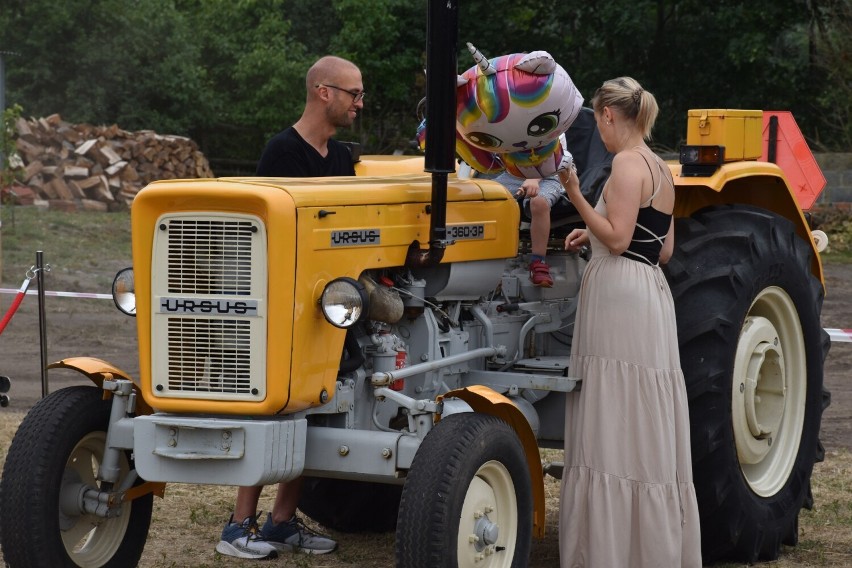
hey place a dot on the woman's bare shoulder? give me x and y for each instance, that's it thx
(627, 161)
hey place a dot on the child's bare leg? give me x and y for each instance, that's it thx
(539, 233)
(540, 225)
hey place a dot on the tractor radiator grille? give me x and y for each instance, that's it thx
(209, 256)
(208, 328)
(209, 355)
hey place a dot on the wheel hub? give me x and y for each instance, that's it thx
(769, 391)
(89, 539)
(764, 392)
(486, 532)
(758, 401)
(488, 507)
(71, 499)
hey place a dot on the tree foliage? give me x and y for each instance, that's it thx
(387, 39)
(10, 161)
(230, 73)
(833, 55)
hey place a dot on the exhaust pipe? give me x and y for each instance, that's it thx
(441, 73)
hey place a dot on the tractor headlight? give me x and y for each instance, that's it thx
(343, 302)
(124, 292)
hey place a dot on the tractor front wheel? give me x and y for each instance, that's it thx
(467, 500)
(52, 461)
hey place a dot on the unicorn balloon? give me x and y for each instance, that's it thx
(510, 112)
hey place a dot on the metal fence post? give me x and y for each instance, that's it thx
(42, 325)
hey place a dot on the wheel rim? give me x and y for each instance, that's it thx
(488, 526)
(89, 540)
(769, 391)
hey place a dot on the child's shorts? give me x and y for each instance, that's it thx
(548, 187)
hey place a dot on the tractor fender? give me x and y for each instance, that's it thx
(760, 184)
(98, 371)
(487, 401)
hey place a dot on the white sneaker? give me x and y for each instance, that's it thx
(294, 536)
(243, 540)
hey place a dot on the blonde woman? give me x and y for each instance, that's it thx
(627, 494)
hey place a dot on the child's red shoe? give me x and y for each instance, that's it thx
(540, 274)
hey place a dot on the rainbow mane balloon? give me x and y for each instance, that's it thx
(510, 111)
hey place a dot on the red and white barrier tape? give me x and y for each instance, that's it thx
(840, 335)
(13, 307)
(836, 335)
(61, 294)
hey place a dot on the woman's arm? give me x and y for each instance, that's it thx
(623, 194)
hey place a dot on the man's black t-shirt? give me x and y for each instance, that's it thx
(288, 155)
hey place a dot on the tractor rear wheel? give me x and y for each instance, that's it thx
(467, 500)
(53, 458)
(752, 351)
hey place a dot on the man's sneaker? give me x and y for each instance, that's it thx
(294, 536)
(540, 274)
(244, 541)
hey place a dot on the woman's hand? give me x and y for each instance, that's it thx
(576, 240)
(570, 183)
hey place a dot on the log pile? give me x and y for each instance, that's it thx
(80, 166)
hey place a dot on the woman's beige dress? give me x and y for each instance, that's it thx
(627, 493)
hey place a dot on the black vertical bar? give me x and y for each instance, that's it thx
(42, 325)
(772, 148)
(441, 73)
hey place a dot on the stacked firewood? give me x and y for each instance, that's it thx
(73, 166)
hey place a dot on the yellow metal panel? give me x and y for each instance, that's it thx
(761, 184)
(317, 345)
(408, 188)
(304, 350)
(739, 131)
(98, 370)
(275, 208)
(377, 165)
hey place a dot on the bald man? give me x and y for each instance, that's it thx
(335, 94)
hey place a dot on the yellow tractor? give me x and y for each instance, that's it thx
(379, 336)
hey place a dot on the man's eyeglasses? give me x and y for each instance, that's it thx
(356, 95)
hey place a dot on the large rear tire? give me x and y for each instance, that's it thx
(467, 500)
(752, 350)
(55, 453)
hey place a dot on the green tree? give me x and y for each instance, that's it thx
(230, 73)
(387, 40)
(255, 69)
(831, 30)
(9, 160)
(691, 54)
(133, 63)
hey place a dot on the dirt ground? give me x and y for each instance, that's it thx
(93, 327)
(837, 313)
